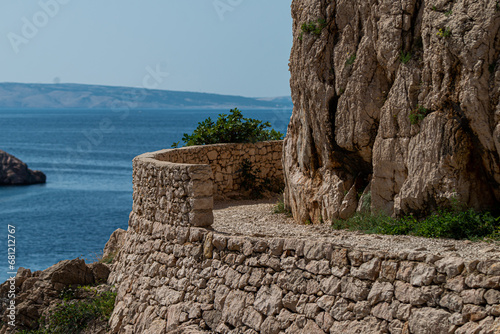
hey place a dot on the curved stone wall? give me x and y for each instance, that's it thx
(226, 159)
(173, 273)
(178, 186)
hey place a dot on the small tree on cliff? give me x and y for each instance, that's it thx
(232, 128)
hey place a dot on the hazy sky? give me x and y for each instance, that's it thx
(238, 47)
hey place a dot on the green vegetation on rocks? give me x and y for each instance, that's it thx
(351, 59)
(314, 27)
(444, 33)
(452, 224)
(72, 315)
(281, 208)
(405, 57)
(418, 114)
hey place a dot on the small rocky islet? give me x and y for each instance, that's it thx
(15, 172)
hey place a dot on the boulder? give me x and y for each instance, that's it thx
(114, 244)
(15, 172)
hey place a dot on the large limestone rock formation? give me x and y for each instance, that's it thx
(15, 172)
(397, 100)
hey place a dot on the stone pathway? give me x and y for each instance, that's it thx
(256, 219)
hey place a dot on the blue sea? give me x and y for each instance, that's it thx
(87, 157)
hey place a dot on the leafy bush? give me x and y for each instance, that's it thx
(418, 114)
(452, 224)
(232, 128)
(67, 293)
(457, 225)
(366, 222)
(73, 316)
(314, 27)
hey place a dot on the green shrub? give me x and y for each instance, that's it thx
(68, 293)
(313, 27)
(367, 222)
(451, 224)
(232, 128)
(418, 114)
(404, 57)
(99, 257)
(280, 208)
(457, 225)
(73, 316)
(351, 59)
(366, 201)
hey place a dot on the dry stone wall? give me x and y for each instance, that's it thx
(177, 194)
(169, 276)
(178, 186)
(226, 160)
(173, 272)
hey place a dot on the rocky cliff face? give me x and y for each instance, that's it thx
(15, 172)
(397, 100)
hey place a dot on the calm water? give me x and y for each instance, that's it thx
(87, 157)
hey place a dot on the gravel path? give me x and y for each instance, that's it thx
(256, 218)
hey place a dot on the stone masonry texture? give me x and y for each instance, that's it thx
(173, 272)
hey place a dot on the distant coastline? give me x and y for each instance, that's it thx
(78, 96)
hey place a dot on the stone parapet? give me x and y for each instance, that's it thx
(226, 159)
(172, 193)
(178, 186)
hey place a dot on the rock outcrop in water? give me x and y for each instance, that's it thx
(15, 172)
(397, 100)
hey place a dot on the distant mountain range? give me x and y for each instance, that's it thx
(77, 96)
